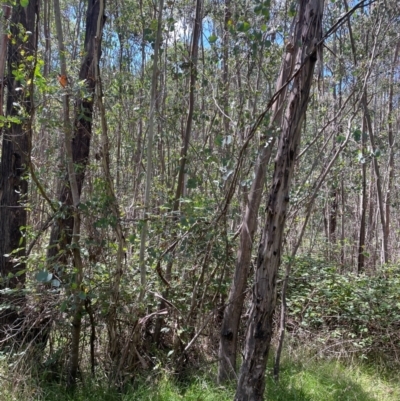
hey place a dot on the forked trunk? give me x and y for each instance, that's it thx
(251, 383)
(233, 310)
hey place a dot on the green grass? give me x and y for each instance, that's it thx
(305, 380)
(333, 381)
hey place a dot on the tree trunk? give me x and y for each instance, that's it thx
(149, 164)
(61, 233)
(251, 383)
(192, 87)
(15, 153)
(95, 21)
(363, 205)
(233, 310)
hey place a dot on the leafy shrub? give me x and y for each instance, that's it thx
(345, 311)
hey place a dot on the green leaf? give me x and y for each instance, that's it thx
(20, 272)
(218, 140)
(340, 138)
(154, 25)
(63, 306)
(265, 13)
(292, 10)
(258, 9)
(357, 135)
(213, 38)
(243, 26)
(192, 183)
(24, 3)
(44, 276)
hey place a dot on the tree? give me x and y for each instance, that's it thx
(77, 150)
(82, 131)
(308, 33)
(16, 145)
(233, 310)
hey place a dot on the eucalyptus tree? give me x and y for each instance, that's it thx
(233, 309)
(307, 34)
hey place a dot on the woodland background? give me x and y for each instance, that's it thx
(132, 132)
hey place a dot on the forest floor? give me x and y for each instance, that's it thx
(301, 379)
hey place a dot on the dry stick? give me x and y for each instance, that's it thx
(40, 186)
(126, 349)
(329, 122)
(192, 341)
(297, 245)
(321, 150)
(199, 281)
(167, 251)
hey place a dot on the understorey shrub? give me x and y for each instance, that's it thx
(343, 311)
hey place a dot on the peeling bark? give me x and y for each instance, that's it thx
(251, 383)
(232, 313)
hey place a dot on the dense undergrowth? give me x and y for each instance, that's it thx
(343, 343)
(344, 312)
